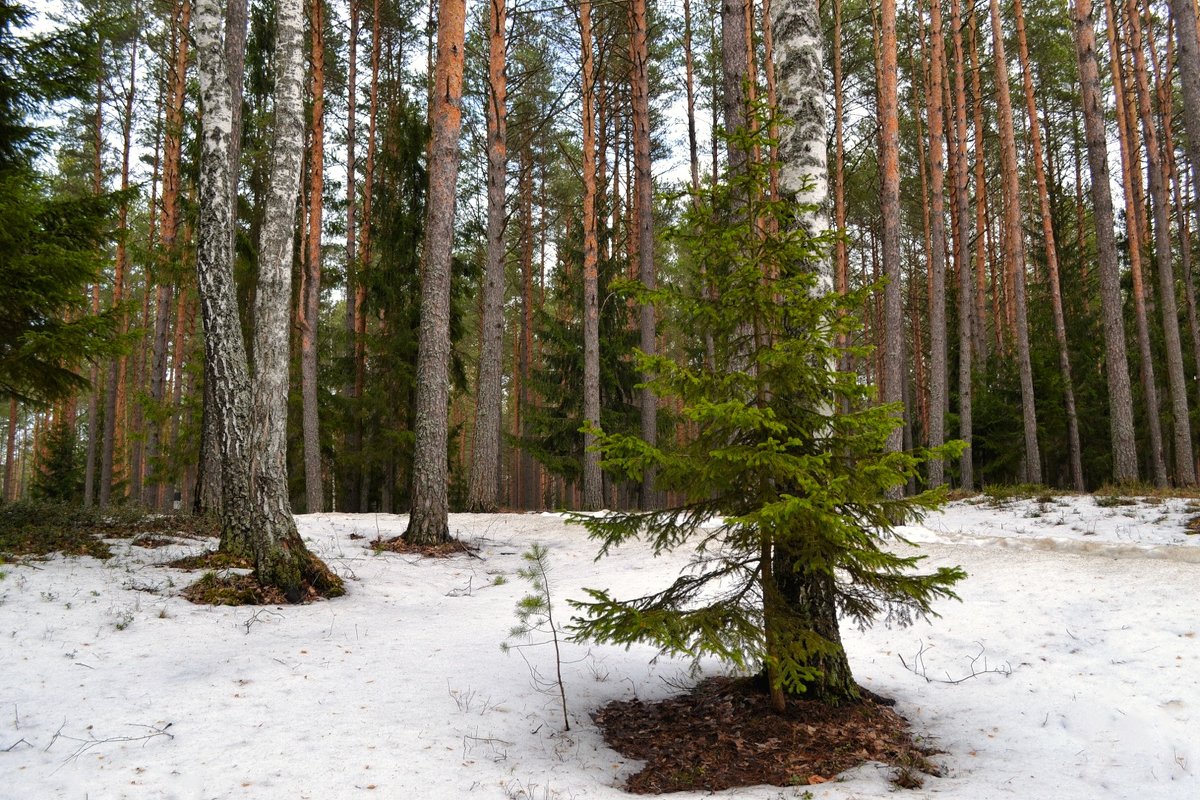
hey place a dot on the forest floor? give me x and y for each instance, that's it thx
(1069, 670)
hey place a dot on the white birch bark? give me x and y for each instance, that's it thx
(255, 515)
(803, 151)
(268, 468)
(224, 350)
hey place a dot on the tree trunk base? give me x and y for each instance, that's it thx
(300, 575)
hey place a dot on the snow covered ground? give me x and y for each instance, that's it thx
(1081, 621)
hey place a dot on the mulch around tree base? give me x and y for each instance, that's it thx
(397, 544)
(724, 734)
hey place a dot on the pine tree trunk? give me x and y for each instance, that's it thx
(735, 70)
(1060, 327)
(1014, 237)
(10, 453)
(592, 498)
(347, 496)
(982, 232)
(168, 235)
(111, 456)
(1130, 176)
(184, 331)
(428, 523)
(966, 307)
(366, 255)
(889, 172)
(483, 495)
(525, 348)
(1183, 13)
(1116, 367)
(93, 413)
(309, 308)
(1185, 465)
(937, 266)
(644, 193)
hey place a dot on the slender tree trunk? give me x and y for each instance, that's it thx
(525, 348)
(644, 194)
(309, 308)
(347, 496)
(982, 233)
(735, 70)
(483, 495)
(428, 523)
(1183, 14)
(168, 234)
(1060, 327)
(10, 452)
(1015, 249)
(840, 254)
(94, 427)
(592, 483)
(937, 266)
(111, 454)
(1185, 465)
(184, 331)
(966, 307)
(1116, 367)
(1126, 134)
(889, 172)
(365, 253)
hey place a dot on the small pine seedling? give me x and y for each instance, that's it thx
(535, 615)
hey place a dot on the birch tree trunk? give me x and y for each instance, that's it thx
(256, 516)
(484, 491)
(224, 351)
(1120, 395)
(804, 178)
(430, 503)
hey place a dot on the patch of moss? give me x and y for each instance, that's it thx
(35, 528)
(212, 560)
(232, 589)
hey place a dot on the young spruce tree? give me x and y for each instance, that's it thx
(787, 455)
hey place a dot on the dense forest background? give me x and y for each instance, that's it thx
(1039, 247)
